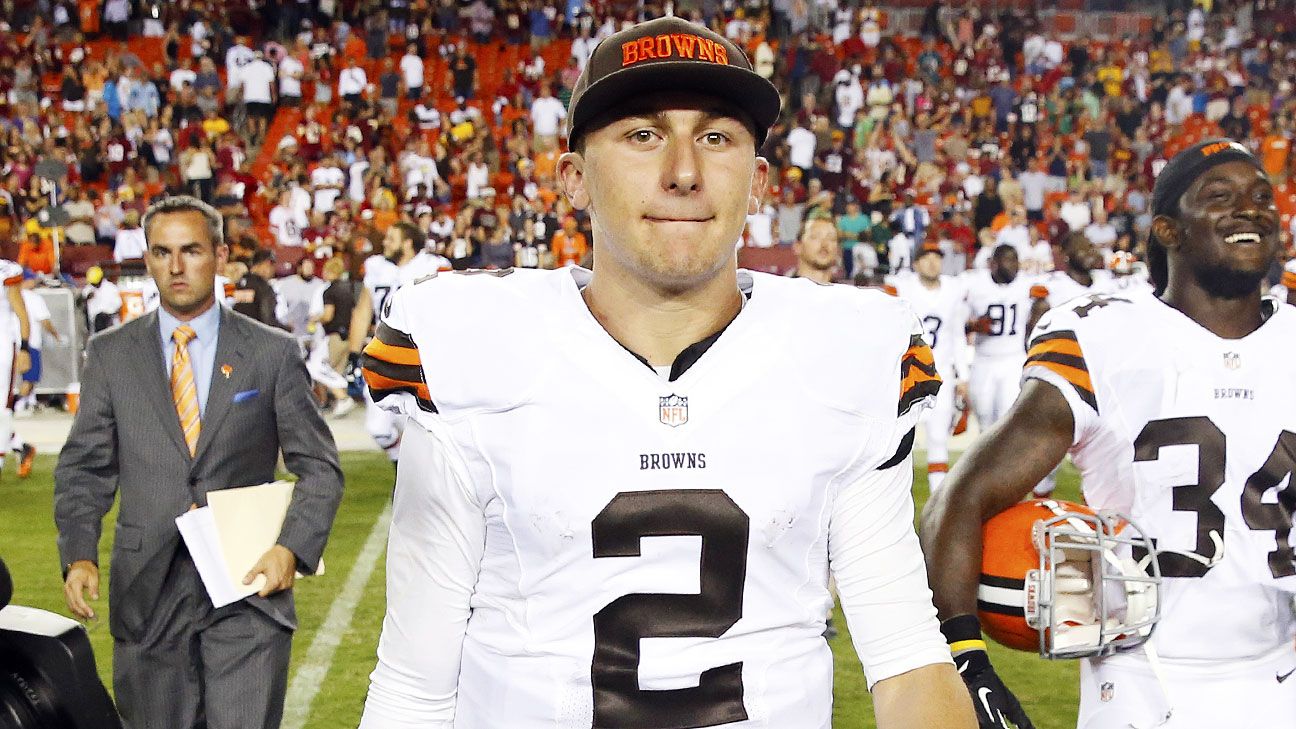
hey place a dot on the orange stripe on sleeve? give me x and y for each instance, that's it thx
(14, 280)
(1060, 346)
(1078, 377)
(922, 354)
(1039, 292)
(393, 354)
(1289, 279)
(914, 377)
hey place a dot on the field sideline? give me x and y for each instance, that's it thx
(27, 543)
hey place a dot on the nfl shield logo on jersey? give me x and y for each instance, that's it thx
(1107, 692)
(1232, 360)
(673, 410)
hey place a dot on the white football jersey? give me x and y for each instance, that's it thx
(1194, 437)
(382, 278)
(943, 313)
(1008, 308)
(1058, 288)
(579, 541)
(424, 263)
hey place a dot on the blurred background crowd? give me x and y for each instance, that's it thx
(316, 125)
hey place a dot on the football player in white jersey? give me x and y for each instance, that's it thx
(382, 278)
(999, 304)
(424, 263)
(1177, 408)
(939, 303)
(1084, 274)
(14, 358)
(621, 509)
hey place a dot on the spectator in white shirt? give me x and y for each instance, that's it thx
(1101, 233)
(287, 222)
(1178, 103)
(129, 243)
(411, 68)
(801, 147)
(1075, 211)
(291, 71)
(258, 82)
(547, 115)
(582, 48)
(327, 181)
(184, 74)
(1034, 183)
(850, 98)
(352, 82)
(1016, 233)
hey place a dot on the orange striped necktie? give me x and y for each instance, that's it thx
(183, 389)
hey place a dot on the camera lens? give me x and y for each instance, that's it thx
(27, 701)
(16, 709)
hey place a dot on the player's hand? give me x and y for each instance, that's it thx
(354, 371)
(279, 565)
(82, 575)
(995, 705)
(22, 362)
(980, 325)
(960, 391)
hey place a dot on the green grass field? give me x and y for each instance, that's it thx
(1047, 689)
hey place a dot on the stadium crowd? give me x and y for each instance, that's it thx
(315, 126)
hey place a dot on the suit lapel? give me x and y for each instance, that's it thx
(157, 384)
(229, 371)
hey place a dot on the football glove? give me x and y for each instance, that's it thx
(995, 705)
(354, 376)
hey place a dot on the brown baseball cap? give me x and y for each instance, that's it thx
(667, 54)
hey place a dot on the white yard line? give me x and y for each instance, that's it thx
(314, 668)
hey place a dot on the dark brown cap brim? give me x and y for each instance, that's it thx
(738, 86)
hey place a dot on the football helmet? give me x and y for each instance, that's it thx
(1067, 581)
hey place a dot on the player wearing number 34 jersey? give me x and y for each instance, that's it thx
(1177, 407)
(622, 491)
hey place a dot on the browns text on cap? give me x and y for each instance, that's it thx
(670, 54)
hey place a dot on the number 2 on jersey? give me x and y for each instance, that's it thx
(1258, 514)
(619, 703)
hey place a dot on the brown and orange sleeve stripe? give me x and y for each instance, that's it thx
(391, 364)
(1289, 279)
(918, 378)
(1059, 352)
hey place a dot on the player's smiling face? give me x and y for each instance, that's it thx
(183, 260)
(668, 184)
(1228, 229)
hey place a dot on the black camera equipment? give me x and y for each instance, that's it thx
(47, 671)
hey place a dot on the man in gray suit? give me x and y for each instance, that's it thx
(187, 400)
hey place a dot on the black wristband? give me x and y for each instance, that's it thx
(961, 627)
(24, 346)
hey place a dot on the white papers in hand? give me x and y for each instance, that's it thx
(228, 537)
(198, 529)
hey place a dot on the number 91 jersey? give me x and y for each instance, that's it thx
(627, 551)
(1193, 436)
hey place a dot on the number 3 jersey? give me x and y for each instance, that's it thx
(580, 541)
(1194, 437)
